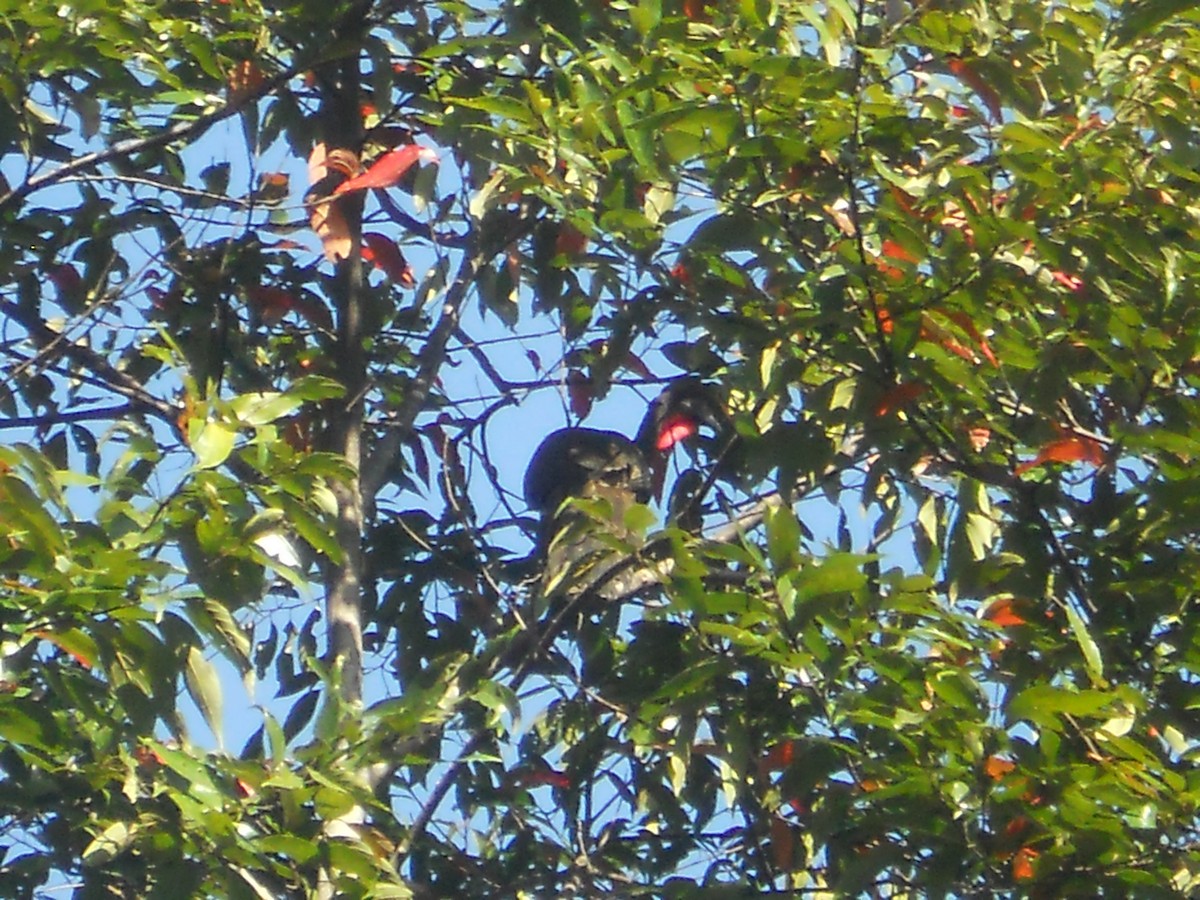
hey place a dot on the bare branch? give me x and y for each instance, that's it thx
(74, 415)
(430, 362)
(180, 131)
(55, 341)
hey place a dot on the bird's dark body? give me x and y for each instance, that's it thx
(587, 463)
(581, 548)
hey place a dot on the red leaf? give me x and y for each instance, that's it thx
(579, 393)
(1022, 865)
(963, 321)
(534, 360)
(570, 241)
(893, 250)
(996, 767)
(383, 252)
(1070, 282)
(388, 169)
(271, 303)
(779, 757)
(315, 312)
(66, 279)
(898, 396)
(1003, 613)
(1069, 449)
(533, 778)
(974, 80)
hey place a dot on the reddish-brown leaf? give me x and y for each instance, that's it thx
(383, 252)
(783, 844)
(899, 396)
(905, 201)
(1003, 612)
(244, 79)
(1022, 864)
(66, 279)
(1072, 283)
(963, 71)
(996, 767)
(1017, 826)
(963, 321)
(271, 303)
(938, 335)
(297, 433)
(314, 312)
(570, 241)
(579, 393)
(388, 169)
(1070, 449)
(780, 756)
(636, 365)
(539, 775)
(416, 446)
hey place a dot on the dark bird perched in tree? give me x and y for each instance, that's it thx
(582, 542)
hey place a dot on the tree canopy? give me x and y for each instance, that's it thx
(290, 293)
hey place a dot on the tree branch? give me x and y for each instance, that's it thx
(50, 341)
(177, 132)
(63, 417)
(429, 364)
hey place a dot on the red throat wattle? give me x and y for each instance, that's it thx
(675, 428)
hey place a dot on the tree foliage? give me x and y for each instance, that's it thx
(287, 290)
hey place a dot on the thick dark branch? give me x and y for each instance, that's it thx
(74, 415)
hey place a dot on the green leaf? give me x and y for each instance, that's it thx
(1091, 652)
(261, 409)
(108, 845)
(213, 444)
(1042, 704)
(204, 687)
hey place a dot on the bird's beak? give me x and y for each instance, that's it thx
(675, 428)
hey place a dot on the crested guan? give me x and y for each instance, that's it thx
(593, 464)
